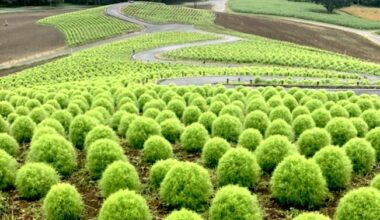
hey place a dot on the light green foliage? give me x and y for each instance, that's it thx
(313, 140)
(159, 170)
(341, 130)
(362, 155)
(321, 117)
(5, 109)
(360, 126)
(22, 129)
(376, 182)
(64, 117)
(311, 216)
(213, 150)
(171, 129)
(183, 214)
(234, 202)
(79, 128)
(191, 115)
(140, 130)
(281, 112)
(177, 107)
(38, 114)
(125, 121)
(99, 132)
(279, 127)
(8, 168)
(53, 123)
(338, 111)
(250, 139)
(301, 124)
(157, 148)
(227, 127)
(373, 137)
(8, 144)
(300, 110)
(372, 118)
(257, 120)
(194, 138)
(164, 115)
(206, 119)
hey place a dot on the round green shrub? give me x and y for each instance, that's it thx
(159, 170)
(21, 110)
(99, 132)
(157, 148)
(280, 127)
(63, 202)
(4, 126)
(116, 118)
(234, 202)
(206, 119)
(232, 110)
(376, 182)
(272, 151)
(100, 154)
(50, 122)
(250, 139)
(238, 166)
(257, 120)
(335, 165)
(321, 117)
(364, 104)
(199, 102)
(34, 180)
(227, 127)
(8, 144)
(183, 214)
(341, 130)
(22, 129)
(164, 115)
(64, 117)
(275, 101)
(311, 216)
(353, 110)
(119, 175)
(129, 107)
(213, 150)
(301, 124)
(151, 113)
(216, 107)
(171, 129)
(313, 140)
(190, 115)
(5, 109)
(194, 137)
(372, 118)
(338, 111)
(281, 112)
(374, 138)
(177, 106)
(299, 182)
(359, 204)
(124, 204)
(41, 131)
(125, 121)
(290, 102)
(362, 155)
(156, 104)
(8, 169)
(360, 126)
(38, 114)
(313, 104)
(54, 150)
(79, 128)
(300, 110)
(186, 185)
(140, 130)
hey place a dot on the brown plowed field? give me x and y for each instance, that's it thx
(304, 34)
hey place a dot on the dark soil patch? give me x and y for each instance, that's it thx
(304, 34)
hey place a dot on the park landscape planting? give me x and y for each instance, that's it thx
(93, 136)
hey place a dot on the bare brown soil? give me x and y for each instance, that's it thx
(363, 12)
(304, 34)
(22, 37)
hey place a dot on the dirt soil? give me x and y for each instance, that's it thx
(304, 34)
(22, 37)
(363, 12)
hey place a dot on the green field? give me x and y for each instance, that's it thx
(302, 10)
(88, 25)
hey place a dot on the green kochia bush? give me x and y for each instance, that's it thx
(124, 204)
(8, 144)
(34, 180)
(341, 130)
(164, 115)
(157, 148)
(5, 109)
(63, 202)
(206, 119)
(227, 127)
(191, 115)
(159, 170)
(99, 132)
(302, 123)
(140, 130)
(321, 117)
(183, 214)
(335, 165)
(4, 125)
(38, 114)
(79, 128)
(125, 121)
(372, 118)
(194, 137)
(362, 155)
(213, 150)
(250, 139)
(311, 216)
(8, 168)
(300, 110)
(280, 127)
(54, 150)
(53, 123)
(272, 151)
(234, 202)
(338, 111)
(119, 175)
(186, 185)
(257, 120)
(299, 182)
(374, 138)
(100, 154)
(360, 126)
(376, 182)
(177, 106)
(313, 140)
(64, 117)
(22, 129)
(171, 129)
(281, 112)
(359, 204)
(238, 166)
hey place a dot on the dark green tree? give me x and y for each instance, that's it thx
(331, 5)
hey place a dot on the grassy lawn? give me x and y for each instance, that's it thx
(303, 10)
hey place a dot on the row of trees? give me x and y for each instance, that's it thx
(84, 2)
(331, 5)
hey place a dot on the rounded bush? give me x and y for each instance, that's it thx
(99, 132)
(272, 151)
(5, 109)
(360, 126)
(186, 185)
(250, 139)
(206, 119)
(359, 204)
(338, 111)
(290, 102)
(119, 175)
(335, 165)
(216, 107)
(238, 166)
(227, 127)
(373, 137)
(376, 182)
(157, 148)
(124, 204)
(194, 138)
(257, 120)
(34, 180)
(63, 202)
(38, 114)
(164, 115)
(22, 129)
(8, 144)
(102, 153)
(302, 123)
(183, 214)
(234, 202)
(54, 150)
(177, 106)
(125, 121)
(21, 110)
(299, 182)
(311, 216)
(321, 117)
(341, 130)
(313, 104)
(8, 169)
(313, 140)
(362, 155)
(372, 118)
(171, 129)
(159, 170)
(280, 127)
(281, 112)
(353, 110)
(300, 110)
(64, 117)
(140, 130)
(79, 128)
(151, 113)
(190, 115)
(213, 150)
(55, 124)
(232, 110)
